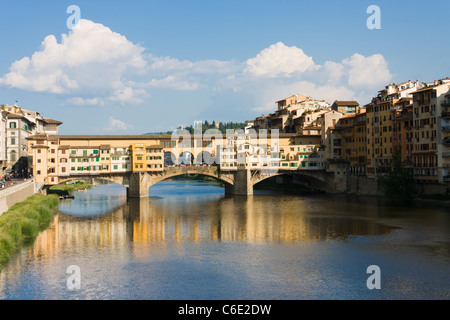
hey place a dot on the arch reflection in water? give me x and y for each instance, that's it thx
(145, 223)
(99, 200)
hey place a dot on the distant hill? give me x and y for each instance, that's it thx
(155, 133)
(221, 126)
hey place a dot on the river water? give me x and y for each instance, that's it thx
(189, 241)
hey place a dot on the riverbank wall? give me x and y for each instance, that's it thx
(361, 185)
(11, 195)
(356, 185)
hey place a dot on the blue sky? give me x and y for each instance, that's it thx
(144, 66)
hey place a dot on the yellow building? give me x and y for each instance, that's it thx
(354, 141)
(138, 160)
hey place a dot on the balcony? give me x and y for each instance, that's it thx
(446, 142)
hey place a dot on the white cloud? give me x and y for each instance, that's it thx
(333, 71)
(127, 94)
(88, 59)
(173, 82)
(367, 71)
(279, 60)
(79, 101)
(175, 66)
(117, 125)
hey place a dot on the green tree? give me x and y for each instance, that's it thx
(398, 183)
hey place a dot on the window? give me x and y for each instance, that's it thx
(38, 150)
(116, 167)
(12, 125)
(13, 141)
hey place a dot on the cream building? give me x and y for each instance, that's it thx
(431, 154)
(21, 123)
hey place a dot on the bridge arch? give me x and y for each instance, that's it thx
(169, 158)
(205, 157)
(203, 171)
(186, 158)
(312, 181)
(118, 179)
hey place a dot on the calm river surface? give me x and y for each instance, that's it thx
(189, 241)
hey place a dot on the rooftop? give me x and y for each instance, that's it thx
(346, 103)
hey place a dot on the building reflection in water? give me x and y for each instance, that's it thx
(145, 223)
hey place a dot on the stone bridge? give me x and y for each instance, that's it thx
(237, 182)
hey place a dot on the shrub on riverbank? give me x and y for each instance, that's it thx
(439, 197)
(22, 222)
(398, 183)
(64, 189)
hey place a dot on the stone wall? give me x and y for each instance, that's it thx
(362, 185)
(17, 193)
